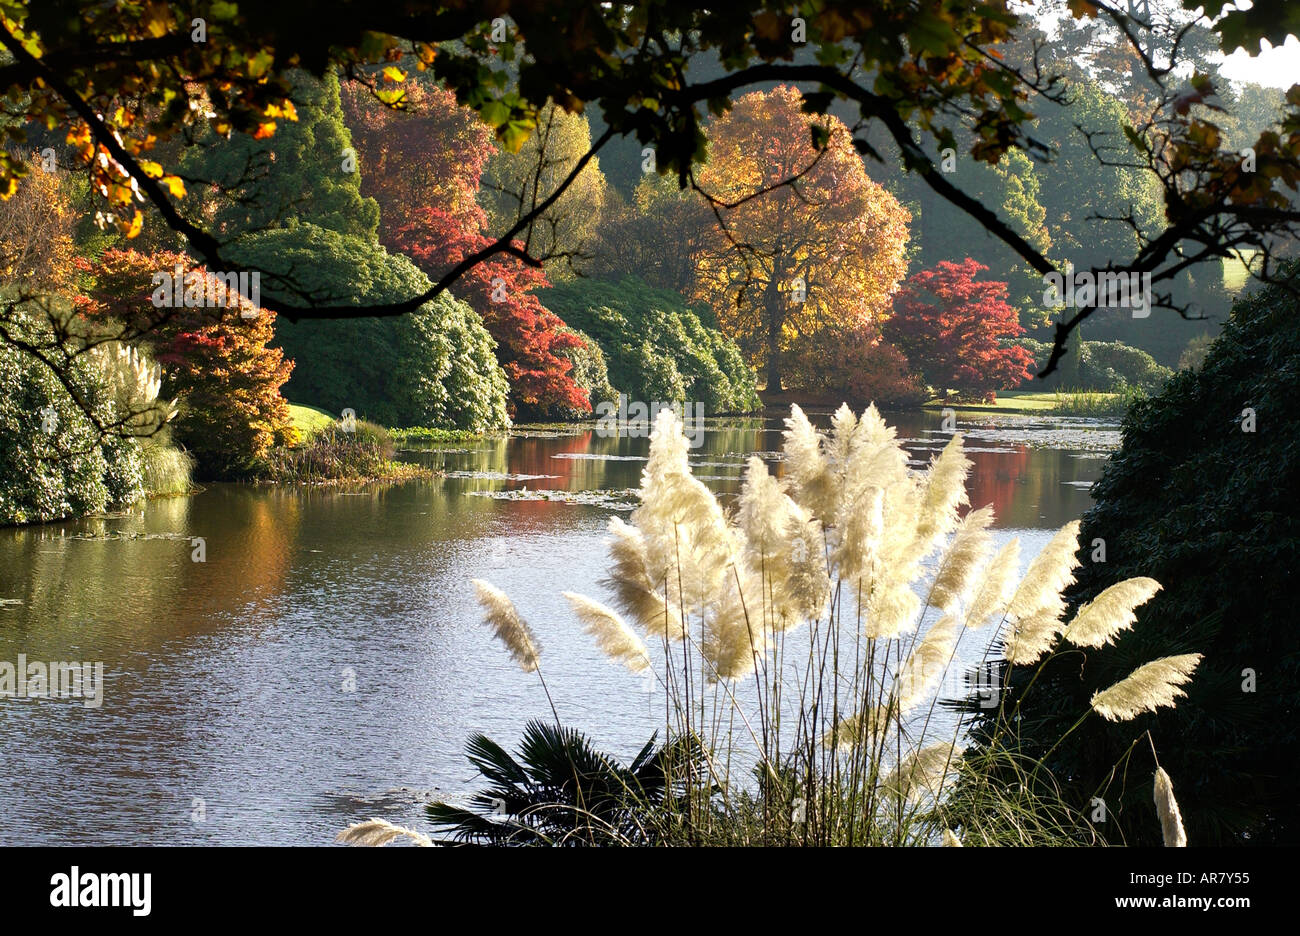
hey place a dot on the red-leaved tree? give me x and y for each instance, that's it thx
(424, 167)
(213, 358)
(957, 330)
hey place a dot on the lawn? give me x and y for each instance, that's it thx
(1022, 401)
(308, 419)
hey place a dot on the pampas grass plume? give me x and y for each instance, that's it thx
(1147, 688)
(378, 832)
(1171, 820)
(507, 625)
(613, 636)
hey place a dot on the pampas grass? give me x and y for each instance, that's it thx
(1171, 820)
(379, 832)
(1149, 687)
(507, 625)
(1101, 620)
(612, 634)
(839, 593)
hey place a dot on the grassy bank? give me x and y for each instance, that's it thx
(1059, 402)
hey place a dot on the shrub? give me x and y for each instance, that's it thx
(431, 367)
(1209, 510)
(856, 364)
(54, 462)
(336, 452)
(658, 348)
(1101, 366)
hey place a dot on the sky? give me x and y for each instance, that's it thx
(1278, 66)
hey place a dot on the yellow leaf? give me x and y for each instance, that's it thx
(151, 169)
(174, 185)
(137, 222)
(264, 130)
(393, 73)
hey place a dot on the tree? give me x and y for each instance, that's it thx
(214, 360)
(1201, 498)
(516, 182)
(124, 80)
(434, 368)
(658, 348)
(957, 330)
(306, 171)
(786, 259)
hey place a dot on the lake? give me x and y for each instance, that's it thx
(326, 662)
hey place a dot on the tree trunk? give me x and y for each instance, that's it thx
(775, 309)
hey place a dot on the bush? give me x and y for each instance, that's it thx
(431, 367)
(656, 346)
(590, 372)
(336, 453)
(54, 462)
(1102, 366)
(1210, 511)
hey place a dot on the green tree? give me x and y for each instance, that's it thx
(307, 171)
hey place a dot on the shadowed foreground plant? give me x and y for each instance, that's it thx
(562, 791)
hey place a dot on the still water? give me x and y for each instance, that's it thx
(326, 662)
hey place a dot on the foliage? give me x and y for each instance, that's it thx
(956, 329)
(434, 367)
(656, 346)
(54, 462)
(358, 451)
(590, 370)
(1208, 508)
(856, 364)
(531, 340)
(515, 181)
(562, 791)
(214, 360)
(297, 175)
(1104, 366)
(1194, 354)
(833, 228)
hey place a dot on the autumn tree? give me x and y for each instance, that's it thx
(956, 330)
(424, 167)
(214, 359)
(515, 183)
(804, 238)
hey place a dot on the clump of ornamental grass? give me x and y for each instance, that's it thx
(803, 634)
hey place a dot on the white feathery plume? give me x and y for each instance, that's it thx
(806, 466)
(1048, 574)
(923, 771)
(1036, 607)
(734, 636)
(944, 492)
(962, 560)
(507, 625)
(1171, 819)
(634, 592)
(847, 732)
(999, 585)
(891, 611)
(950, 839)
(378, 832)
(688, 542)
(1149, 687)
(618, 641)
(926, 664)
(1098, 622)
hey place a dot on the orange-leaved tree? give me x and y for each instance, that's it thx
(787, 260)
